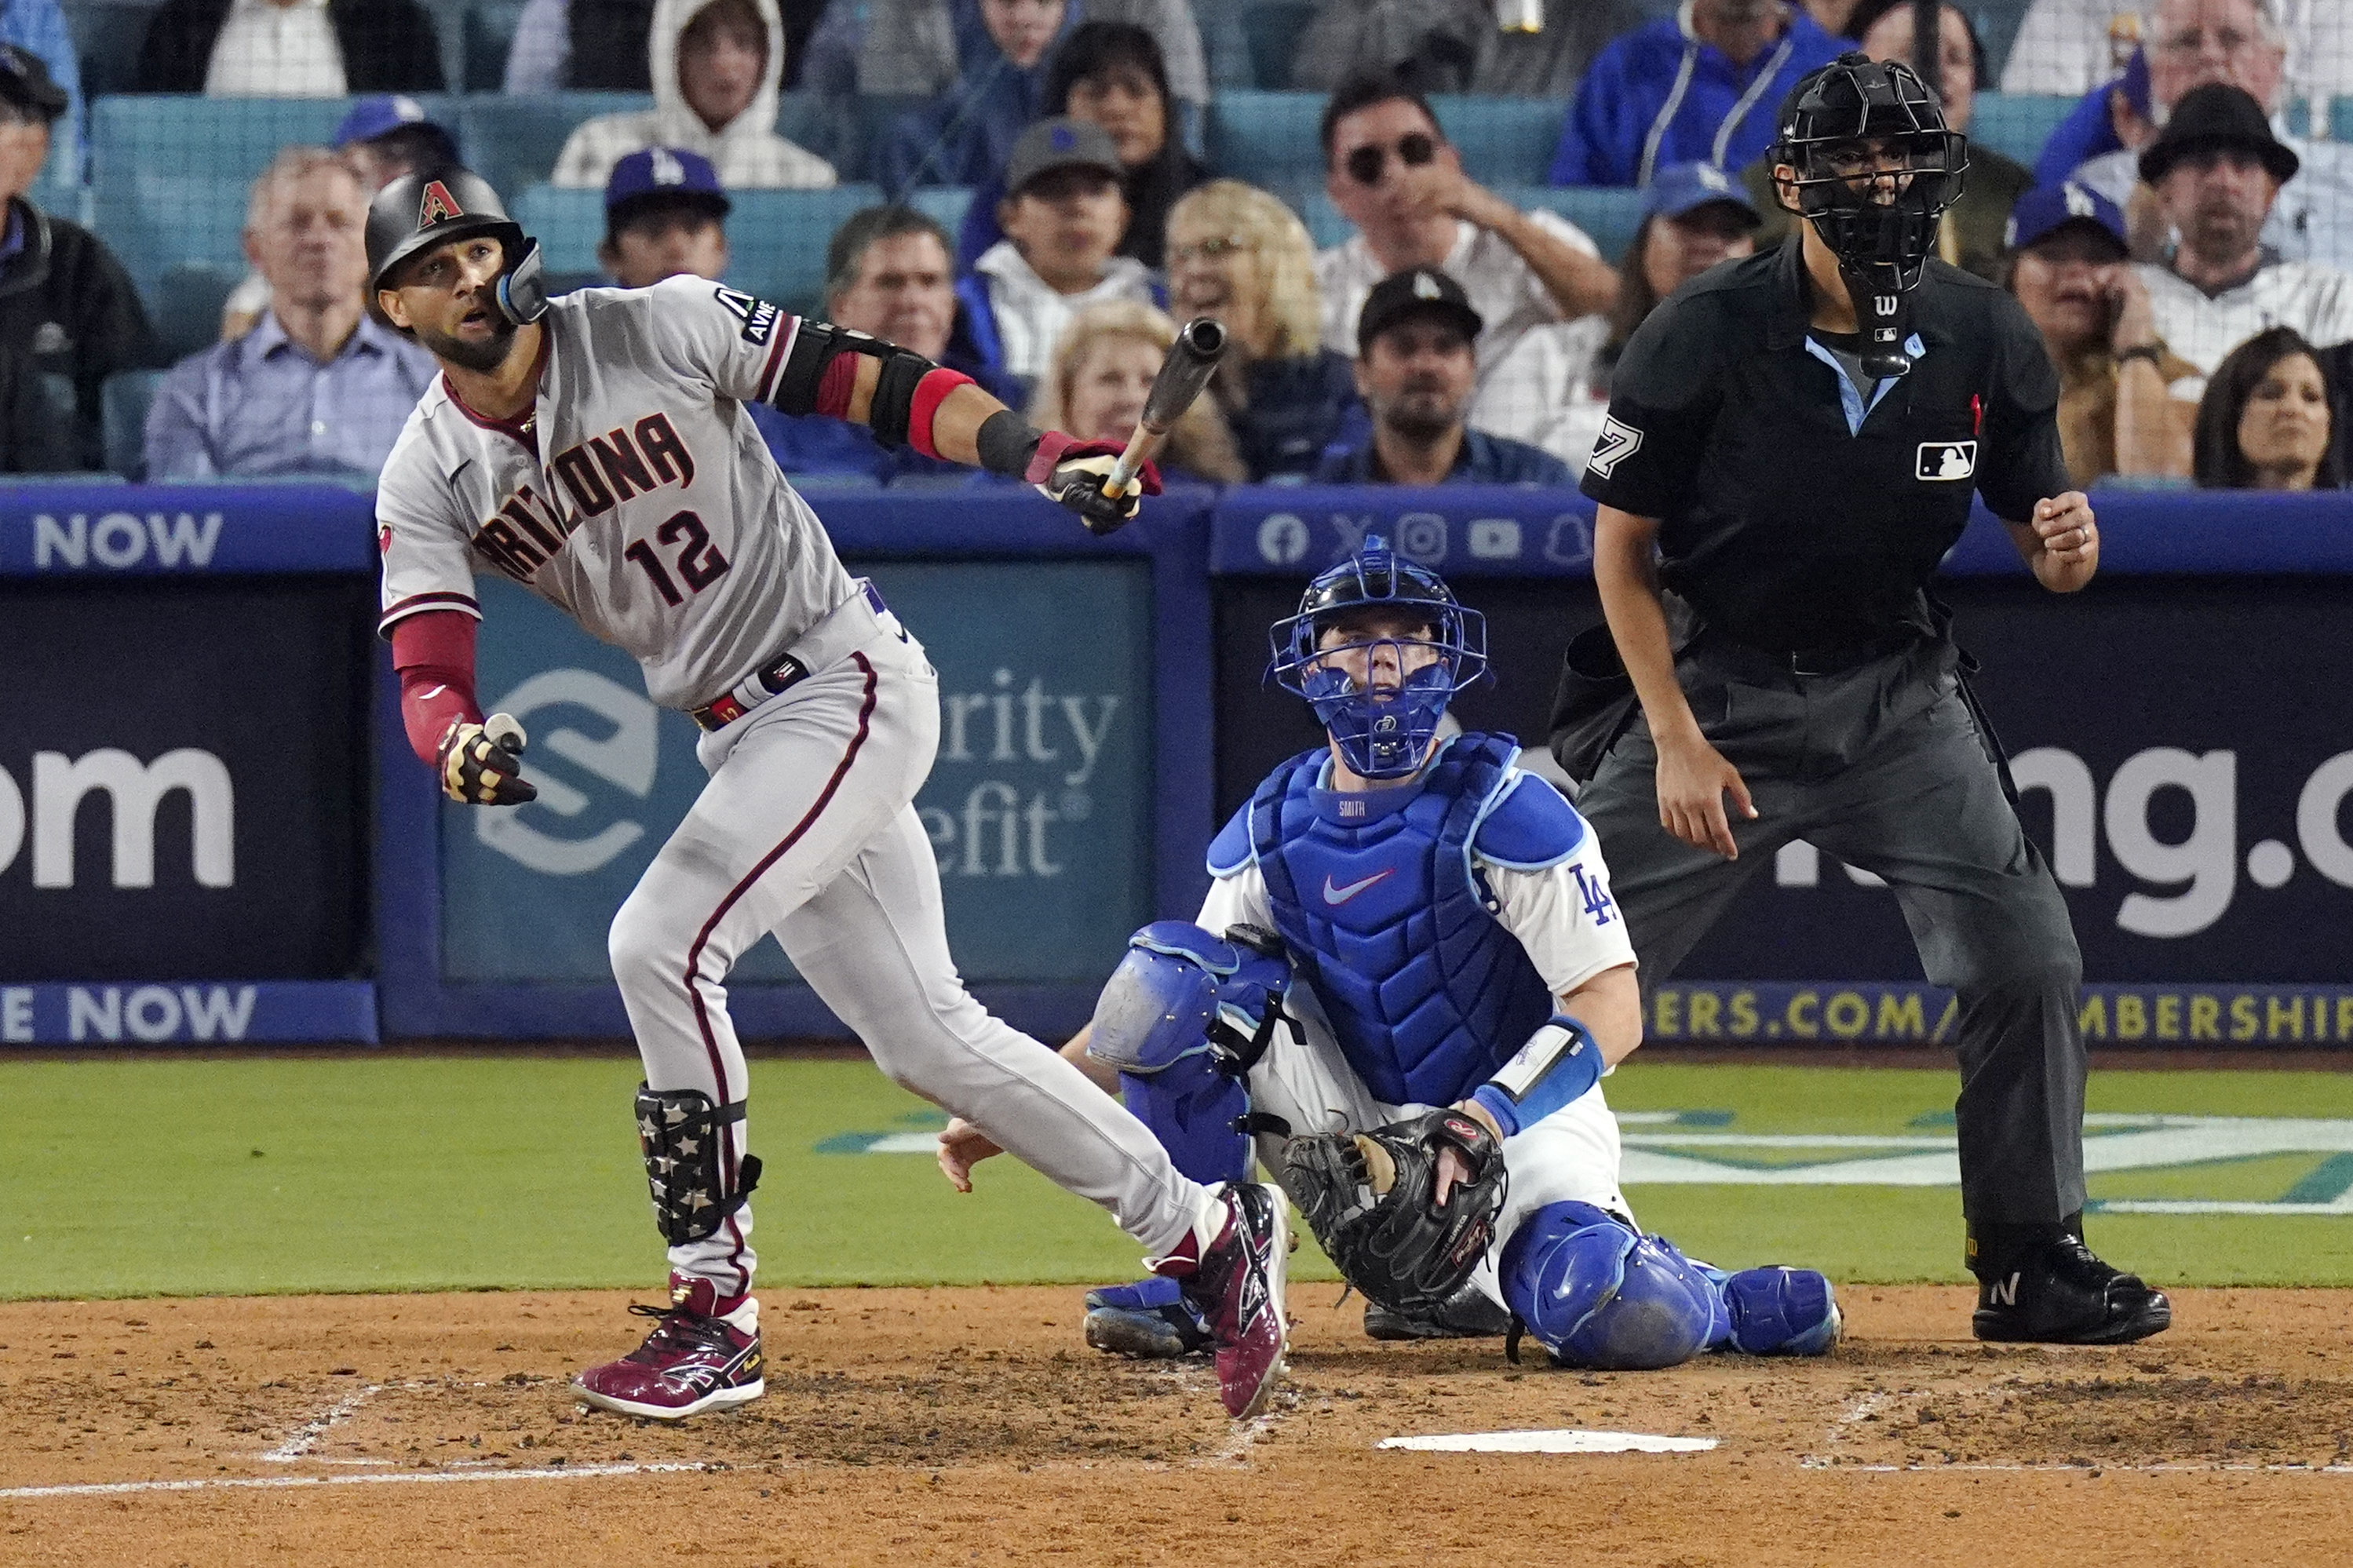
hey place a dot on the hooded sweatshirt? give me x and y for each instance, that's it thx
(747, 153)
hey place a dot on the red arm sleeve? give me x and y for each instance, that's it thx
(434, 651)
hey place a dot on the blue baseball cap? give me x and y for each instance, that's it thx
(1680, 188)
(664, 176)
(385, 111)
(2046, 209)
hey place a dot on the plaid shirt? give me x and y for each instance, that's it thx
(262, 405)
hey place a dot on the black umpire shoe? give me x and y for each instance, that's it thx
(1465, 1315)
(2066, 1296)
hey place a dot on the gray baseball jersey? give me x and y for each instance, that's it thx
(638, 497)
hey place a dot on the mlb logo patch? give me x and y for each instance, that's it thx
(1947, 460)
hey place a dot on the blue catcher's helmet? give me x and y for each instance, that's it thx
(1383, 730)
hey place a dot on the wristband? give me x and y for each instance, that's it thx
(1558, 1065)
(930, 393)
(1004, 444)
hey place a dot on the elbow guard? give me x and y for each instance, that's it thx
(909, 389)
(1557, 1066)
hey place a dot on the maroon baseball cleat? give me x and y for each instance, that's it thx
(703, 1354)
(1236, 1284)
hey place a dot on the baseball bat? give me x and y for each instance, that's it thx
(1182, 374)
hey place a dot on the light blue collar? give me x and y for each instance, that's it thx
(1849, 395)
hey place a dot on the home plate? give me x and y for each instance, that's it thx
(1556, 1442)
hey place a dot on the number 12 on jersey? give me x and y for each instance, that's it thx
(698, 560)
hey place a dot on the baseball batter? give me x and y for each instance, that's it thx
(597, 450)
(1420, 979)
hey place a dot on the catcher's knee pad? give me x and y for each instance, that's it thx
(1780, 1312)
(682, 1134)
(1183, 1018)
(1598, 1293)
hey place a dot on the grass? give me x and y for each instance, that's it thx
(374, 1173)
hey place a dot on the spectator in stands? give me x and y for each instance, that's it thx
(38, 27)
(1237, 254)
(2265, 422)
(1062, 225)
(316, 387)
(967, 134)
(1415, 369)
(2073, 47)
(1970, 233)
(887, 275)
(715, 65)
(2197, 43)
(69, 315)
(1459, 46)
(921, 49)
(1095, 386)
(665, 214)
(383, 138)
(1391, 173)
(1110, 73)
(2216, 169)
(289, 49)
(600, 45)
(1697, 216)
(1699, 86)
(2069, 267)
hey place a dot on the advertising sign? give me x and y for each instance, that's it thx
(1039, 807)
(182, 787)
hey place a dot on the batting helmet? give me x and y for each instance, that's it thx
(418, 211)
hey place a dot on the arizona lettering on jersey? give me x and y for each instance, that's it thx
(655, 518)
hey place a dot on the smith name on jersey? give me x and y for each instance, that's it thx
(637, 496)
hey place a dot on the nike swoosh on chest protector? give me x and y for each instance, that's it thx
(1333, 895)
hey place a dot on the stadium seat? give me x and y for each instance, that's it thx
(1272, 28)
(1271, 139)
(154, 219)
(188, 303)
(2017, 124)
(124, 403)
(776, 239)
(513, 141)
(1225, 43)
(2340, 119)
(944, 205)
(106, 37)
(489, 32)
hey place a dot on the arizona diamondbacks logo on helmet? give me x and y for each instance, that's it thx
(436, 205)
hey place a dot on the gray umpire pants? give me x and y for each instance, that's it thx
(1883, 767)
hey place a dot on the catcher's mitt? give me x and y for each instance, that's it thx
(1368, 1198)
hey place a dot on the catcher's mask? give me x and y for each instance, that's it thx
(1384, 725)
(432, 206)
(1875, 170)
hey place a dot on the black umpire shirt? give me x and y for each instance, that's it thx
(1798, 510)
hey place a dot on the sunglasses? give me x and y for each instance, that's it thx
(1366, 165)
(1212, 249)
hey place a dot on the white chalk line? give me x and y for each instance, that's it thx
(297, 1442)
(399, 1477)
(2166, 1467)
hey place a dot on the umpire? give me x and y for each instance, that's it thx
(1791, 446)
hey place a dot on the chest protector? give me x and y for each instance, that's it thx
(1376, 897)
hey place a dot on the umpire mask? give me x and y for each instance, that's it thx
(1876, 169)
(1380, 696)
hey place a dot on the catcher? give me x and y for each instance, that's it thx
(1420, 983)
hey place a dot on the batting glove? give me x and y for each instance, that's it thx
(481, 762)
(1075, 473)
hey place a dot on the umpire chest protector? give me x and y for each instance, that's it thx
(1376, 897)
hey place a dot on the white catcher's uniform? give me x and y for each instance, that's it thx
(1571, 1156)
(641, 501)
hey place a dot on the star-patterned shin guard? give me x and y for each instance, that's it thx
(681, 1133)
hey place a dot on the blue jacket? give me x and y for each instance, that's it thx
(1657, 96)
(2088, 131)
(964, 136)
(1484, 461)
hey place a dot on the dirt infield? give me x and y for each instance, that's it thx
(969, 1426)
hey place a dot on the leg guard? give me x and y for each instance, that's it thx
(1183, 1018)
(1598, 1293)
(679, 1129)
(1780, 1312)
(1150, 1320)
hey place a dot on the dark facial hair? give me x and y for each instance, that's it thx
(479, 357)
